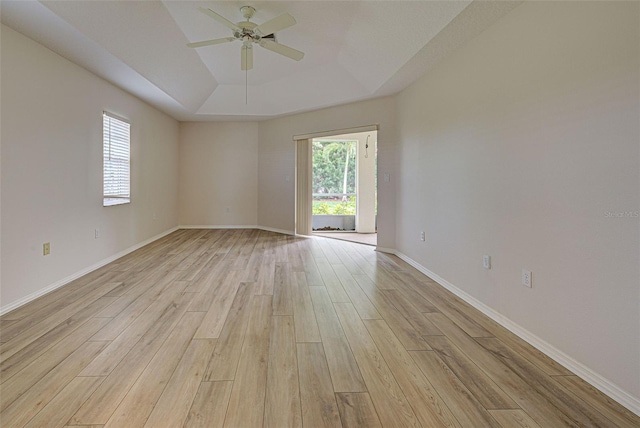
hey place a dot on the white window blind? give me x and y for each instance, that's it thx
(117, 160)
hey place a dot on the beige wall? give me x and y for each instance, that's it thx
(52, 169)
(517, 146)
(276, 161)
(218, 174)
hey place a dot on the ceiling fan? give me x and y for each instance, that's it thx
(250, 33)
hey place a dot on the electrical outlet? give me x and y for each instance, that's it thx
(422, 236)
(486, 261)
(387, 177)
(526, 278)
(155, 216)
(228, 209)
(46, 248)
(97, 233)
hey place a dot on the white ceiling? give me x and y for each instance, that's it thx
(354, 50)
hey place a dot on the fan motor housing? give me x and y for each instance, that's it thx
(246, 32)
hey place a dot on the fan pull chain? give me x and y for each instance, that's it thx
(246, 80)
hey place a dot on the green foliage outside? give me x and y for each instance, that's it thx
(329, 167)
(335, 207)
(332, 161)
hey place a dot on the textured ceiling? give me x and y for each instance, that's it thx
(354, 50)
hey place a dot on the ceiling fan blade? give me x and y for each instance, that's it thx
(282, 49)
(246, 62)
(221, 19)
(210, 42)
(276, 24)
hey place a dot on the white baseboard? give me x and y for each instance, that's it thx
(598, 381)
(48, 289)
(387, 250)
(219, 226)
(236, 226)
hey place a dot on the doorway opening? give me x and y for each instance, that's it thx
(344, 187)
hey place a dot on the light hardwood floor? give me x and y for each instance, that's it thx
(361, 238)
(246, 328)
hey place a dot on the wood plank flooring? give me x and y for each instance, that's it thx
(247, 328)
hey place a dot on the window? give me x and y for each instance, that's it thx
(116, 147)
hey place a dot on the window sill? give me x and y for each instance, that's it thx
(108, 202)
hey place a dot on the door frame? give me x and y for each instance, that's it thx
(303, 174)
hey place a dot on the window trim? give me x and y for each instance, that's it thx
(112, 200)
